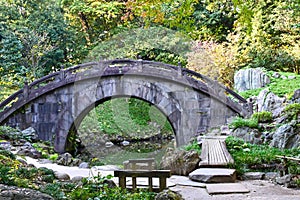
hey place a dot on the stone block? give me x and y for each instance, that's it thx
(213, 175)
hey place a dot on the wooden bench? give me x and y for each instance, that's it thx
(215, 154)
(161, 174)
(139, 164)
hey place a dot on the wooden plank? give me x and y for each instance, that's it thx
(204, 154)
(214, 153)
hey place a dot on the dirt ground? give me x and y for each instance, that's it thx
(259, 190)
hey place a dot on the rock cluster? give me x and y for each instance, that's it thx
(282, 132)
(15, 193)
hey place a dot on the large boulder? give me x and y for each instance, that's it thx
(286, 136)
(180, 162)
(252, 78)
(268, 101)
(29, 134)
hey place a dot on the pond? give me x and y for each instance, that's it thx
(106, 152)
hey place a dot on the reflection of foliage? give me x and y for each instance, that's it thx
(155, 43)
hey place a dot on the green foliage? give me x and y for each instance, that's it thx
(239, 122)
(54, 190)
(193, 146)
(292, 111)
(263, 116)
(261, 37)
(213, 20)
(247, 155)
(8, 154)
(126, 117)
(155, 43)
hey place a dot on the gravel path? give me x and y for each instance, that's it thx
(259, 189)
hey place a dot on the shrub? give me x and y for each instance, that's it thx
(247, 155)
(193, 146)
(292, 111)
(213, 60)
(263, 116)
(239, 122)
(8, 154)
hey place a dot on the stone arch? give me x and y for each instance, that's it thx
(85, 98)
(77, 122)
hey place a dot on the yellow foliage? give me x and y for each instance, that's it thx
(214, 60)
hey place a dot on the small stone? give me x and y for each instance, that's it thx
(271, 175)
(180, 162)
(110, 183)
(253, 176)
(76, 179)
(125, 143)
(291, 77)
(284, 179)
(168, 195)
(276, 75)
(283, 77)
(109, 144)
(61, 176)
(84, 165)
(64, 159)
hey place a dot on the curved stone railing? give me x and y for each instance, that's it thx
(122, 67)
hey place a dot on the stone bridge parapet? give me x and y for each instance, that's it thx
(56, 104)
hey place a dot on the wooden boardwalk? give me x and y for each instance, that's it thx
(214, 153)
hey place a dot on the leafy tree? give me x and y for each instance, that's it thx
(153, 43)
(93, 17)
(35, 39)
(267, 33)
(213, 20)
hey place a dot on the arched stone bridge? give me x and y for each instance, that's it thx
(56, 104)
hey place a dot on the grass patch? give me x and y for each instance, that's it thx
(247, 155)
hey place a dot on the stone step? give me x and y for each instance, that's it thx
(226, 188)
(213, 175)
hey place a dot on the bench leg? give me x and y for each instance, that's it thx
(162, 183)
(133, 183)
(122, 182)
(150, 182)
